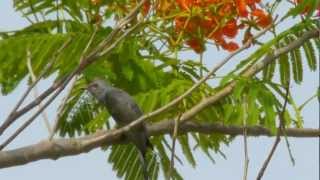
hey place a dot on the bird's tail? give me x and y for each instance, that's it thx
(144, 165)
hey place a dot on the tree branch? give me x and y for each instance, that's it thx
(272, 56)
(102, 48)
(227, 89)
(55, 149)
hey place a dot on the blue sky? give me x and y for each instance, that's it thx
(93, 165)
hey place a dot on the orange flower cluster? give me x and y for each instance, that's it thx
(146, 8)
(217, 20)
(197, 21)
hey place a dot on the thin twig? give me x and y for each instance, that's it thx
(122, 23)
(246, 156)
(167, 145)
(120, 38)
(13, 115)
(266, 162)
(289, 148)
(32, 118)
(94, 55)
(277, 141)
(35, 92)
(249, 72)
(61, 108)
(74, 80)
(282, 121)
(221, 93)
(201, 64)
(174, 139)
(191, 89)
(101, 50)
(33, 12)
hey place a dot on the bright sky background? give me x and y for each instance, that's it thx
(93, 165)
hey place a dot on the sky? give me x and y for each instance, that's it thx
(93, 165)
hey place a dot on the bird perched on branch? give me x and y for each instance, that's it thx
(124, 110)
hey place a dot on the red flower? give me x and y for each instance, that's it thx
(230, 29)
(263, 19)
(179, 22)
(250, 2)
(242, 8)
(182, 4)
(230, 46)
(196, 45)
(226, 9)
(208, 23)
(185, 4)
(146, 7)
(217, 36)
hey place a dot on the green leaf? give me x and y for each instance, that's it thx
(43, 49)
(268, 72)
(310, 5)
(125, 161)
(295, 30)
(268, 101)
(184, 142)
(284, 70)
(297, 68)
(253, 107)
(165, 161)
(310, 55)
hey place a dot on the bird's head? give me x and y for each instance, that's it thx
(99, 88)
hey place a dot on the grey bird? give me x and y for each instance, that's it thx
(124, 110)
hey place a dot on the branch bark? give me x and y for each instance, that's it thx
(102, 48)
(229, 88)
(58, 148)
(272, 56)
(65, 147)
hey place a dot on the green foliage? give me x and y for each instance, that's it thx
(151, 86)
(164, 158)
(185, 146)
(284, 69)
(44, 50)
(153, 76)
(310, 55)
(294, 57)
(125, 161)
(308, 7)
(281, 40)
(254, 96)
(75, 9)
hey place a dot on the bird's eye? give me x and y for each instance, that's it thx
(94, 86)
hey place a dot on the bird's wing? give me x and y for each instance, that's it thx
(135, 108)
(125, 103)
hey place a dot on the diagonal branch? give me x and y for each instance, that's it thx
(36, 92)
(65, 147)
(278, 139)
(102, 49)
(13, 114)
(58, 148)
(272, 56)
(227, 89)
(191, 89)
